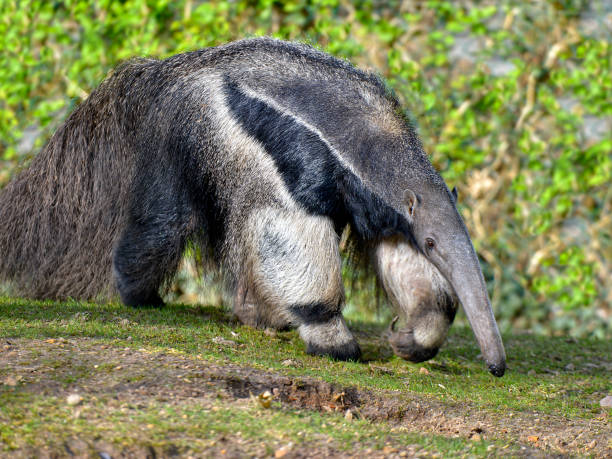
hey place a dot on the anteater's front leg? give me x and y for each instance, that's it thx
(292, 278)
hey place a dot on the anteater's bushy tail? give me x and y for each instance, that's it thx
(60, 217)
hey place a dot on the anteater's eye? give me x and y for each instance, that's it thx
(430, 243)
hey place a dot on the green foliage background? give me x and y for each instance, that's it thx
(513, 101)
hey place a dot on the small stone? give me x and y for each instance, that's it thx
(289, 363)
(592, 445)
(265, 399)
(423, 371)
(380, 370)
(531, 372)
(74, 399)
(606, 402)
(283, 451)
(570, 367)
(81, 316)
(224, 342)
(11, 381)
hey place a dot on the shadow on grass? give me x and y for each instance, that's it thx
(185, 315)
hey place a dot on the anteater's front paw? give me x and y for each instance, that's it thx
(347, 351)
(152, 300)
(331, 338)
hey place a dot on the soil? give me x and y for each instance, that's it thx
(138, 376)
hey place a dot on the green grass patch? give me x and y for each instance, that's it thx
(34, 421)
(549, 375)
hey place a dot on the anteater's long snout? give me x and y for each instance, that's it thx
(470, 287)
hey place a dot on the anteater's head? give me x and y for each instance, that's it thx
(444, 268)
(424, 303)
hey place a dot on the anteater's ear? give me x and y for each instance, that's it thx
(411, 201)
(454, 193)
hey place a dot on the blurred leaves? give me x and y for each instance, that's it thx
(513, 102)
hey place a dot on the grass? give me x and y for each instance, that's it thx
(197, 427)
(554, 377)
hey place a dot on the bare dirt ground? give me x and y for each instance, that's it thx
(139, 376)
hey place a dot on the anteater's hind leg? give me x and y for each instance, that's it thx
(292, 278)
(151, 245)
(247, 310)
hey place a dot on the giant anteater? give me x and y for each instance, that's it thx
(260, 152)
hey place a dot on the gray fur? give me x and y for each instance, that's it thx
(166, 153)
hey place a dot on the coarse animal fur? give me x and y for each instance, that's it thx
(258, 151)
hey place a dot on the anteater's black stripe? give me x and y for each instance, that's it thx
(310, 170)
(314, 313)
